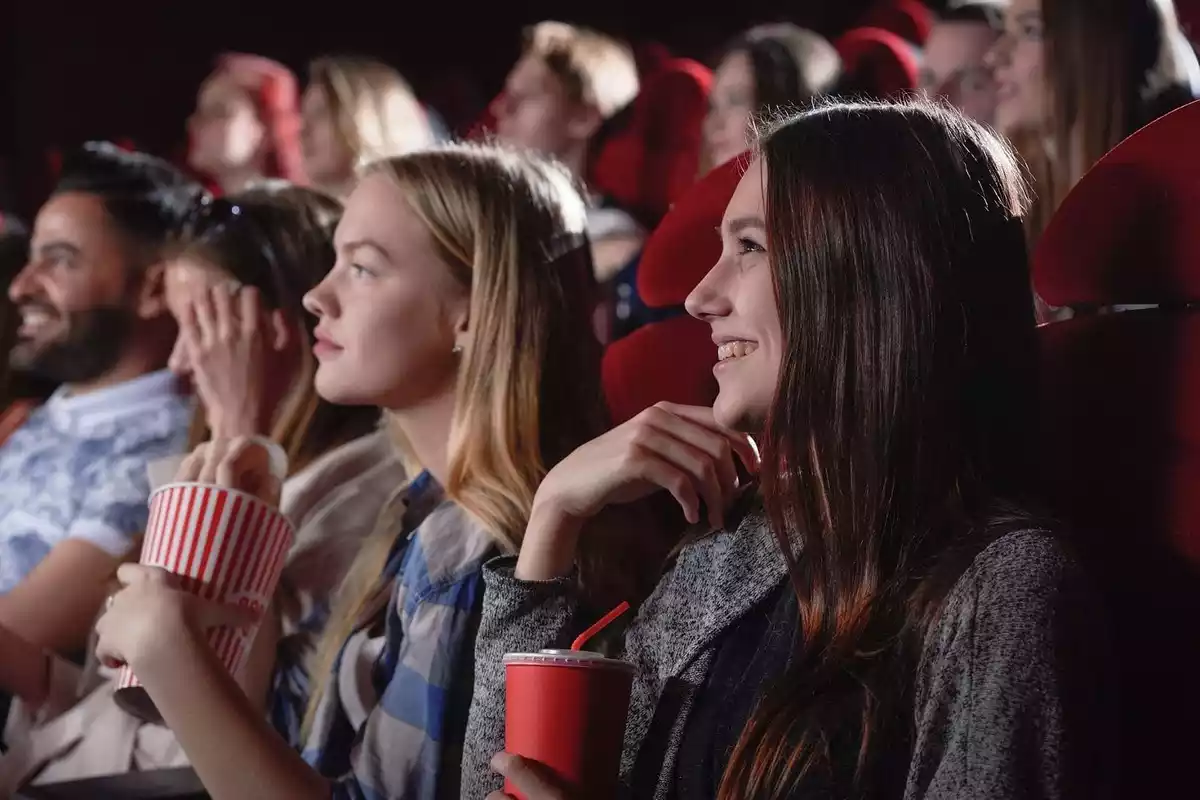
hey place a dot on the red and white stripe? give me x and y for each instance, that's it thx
(227, 546)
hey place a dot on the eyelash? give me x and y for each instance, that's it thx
(748, 246)
(359, 270)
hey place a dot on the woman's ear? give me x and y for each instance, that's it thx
(280, 332)
(462, 329)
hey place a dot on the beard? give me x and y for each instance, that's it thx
(90, 347)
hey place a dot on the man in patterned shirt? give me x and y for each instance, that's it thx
(73, 483)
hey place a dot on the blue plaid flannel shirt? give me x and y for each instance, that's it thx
(392, 721)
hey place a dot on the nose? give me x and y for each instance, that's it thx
(499, 107)
(709, 301)
(320, 301)
(997, 54)
(712, 127)
(23, 285)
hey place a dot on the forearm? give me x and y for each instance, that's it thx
(227, 739)
(256, 674)
(518, 616)
(548, 549)
(24, 668)
(56, 605)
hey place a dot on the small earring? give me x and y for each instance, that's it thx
(457, 350)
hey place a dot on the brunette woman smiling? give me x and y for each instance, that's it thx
(883, 616)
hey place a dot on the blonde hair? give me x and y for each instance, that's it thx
(596, 69)
(510, 227)
(376, 113)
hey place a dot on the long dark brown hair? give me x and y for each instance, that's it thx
(901, 416)
(1111, 67)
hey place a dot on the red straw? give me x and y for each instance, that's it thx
(603, 623)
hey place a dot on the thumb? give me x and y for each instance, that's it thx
(530, 778)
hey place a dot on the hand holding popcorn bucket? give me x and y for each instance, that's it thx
(227, 546)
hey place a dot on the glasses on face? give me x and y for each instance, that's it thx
(261, 266)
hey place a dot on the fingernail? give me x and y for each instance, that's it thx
(500, 761)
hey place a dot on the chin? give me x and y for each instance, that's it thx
(736, 415)
(1010, 120)
(24, 355)
(336, 392)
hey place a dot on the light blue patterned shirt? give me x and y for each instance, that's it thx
(77, 469)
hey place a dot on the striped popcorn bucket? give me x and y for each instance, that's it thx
(227, 546)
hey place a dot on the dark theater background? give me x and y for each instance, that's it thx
(80, 70)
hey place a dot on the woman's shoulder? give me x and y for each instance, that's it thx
(1018, 565)
(1016, 591)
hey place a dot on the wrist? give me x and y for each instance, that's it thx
(232, 426)
(551, 539)
(169, 641)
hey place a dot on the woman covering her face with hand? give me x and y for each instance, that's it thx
(234, 283)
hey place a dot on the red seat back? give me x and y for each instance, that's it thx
(653, 159)
(669, 361)
(878, 63)
(910, 19)
(1121, 429)
(1121, 395)
(672, 360)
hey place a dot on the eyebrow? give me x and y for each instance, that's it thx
(1029, 16)
(57, 245)
(359, 244)
(739, 224)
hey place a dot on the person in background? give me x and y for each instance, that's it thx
(243, 265)
(94, 317)
(459, 302)
(768, 69)
(567, 83)
(356, 111)
(954, 66)
(20, 392)
(883, 612)
(246, 125)
(1075, 77)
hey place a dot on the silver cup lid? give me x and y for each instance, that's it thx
(568, 658)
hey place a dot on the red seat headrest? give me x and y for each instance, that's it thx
(668, 361)
(1129, 231)
(878, 62)
(685, 245)
(909, 19)
(647, 164)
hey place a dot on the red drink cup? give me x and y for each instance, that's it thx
(227, 546)
(566, 709)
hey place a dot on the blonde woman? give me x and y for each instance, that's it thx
(460, 302)
(275, 243)
(356, 111)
